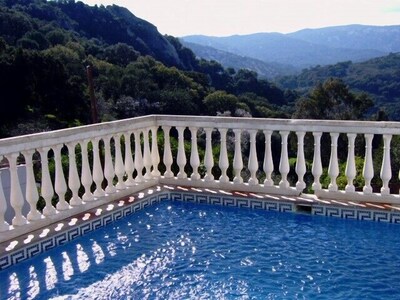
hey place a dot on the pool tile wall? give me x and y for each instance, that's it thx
(241, 201)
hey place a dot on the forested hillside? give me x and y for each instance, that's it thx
(45, 47)
(379, 77)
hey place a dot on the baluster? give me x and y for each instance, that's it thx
(253, 162)
(223, 157)
(167, 158)
(386, 170)
(317, 164)
(4, 226)
(146, 155)
(237, 159)
(268, 165)
(155, 156)
(73, 177)
(351, 164)
(138, 158)
(284, 161)
(109, 173)
(333, 169)
(181, 157)
(194, 155)
(129, 166)
(47, 187)
(98, 175)
(300, 162)
(16, 196)
(119, 164)
(60, 186)
(368, 170)
(31, 194)
(86, 175)
(208, 157)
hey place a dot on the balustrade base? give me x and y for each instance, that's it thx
(358, 197)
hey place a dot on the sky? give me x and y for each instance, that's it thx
(229, 17)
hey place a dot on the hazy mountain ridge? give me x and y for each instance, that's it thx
(310, 47)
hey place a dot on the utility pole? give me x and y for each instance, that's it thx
(93, 101)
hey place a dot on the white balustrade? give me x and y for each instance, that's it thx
(208, 157)
(317, 164)
(194, 154)
(386, 170)
(333, 169)
(181, 157)
(284, 167)
(268, 165)
(368, 169)
(223, 157)
(98, 163)
(237, 159)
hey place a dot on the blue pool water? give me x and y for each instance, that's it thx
(177, 250)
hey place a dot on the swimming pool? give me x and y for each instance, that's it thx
(192, 251)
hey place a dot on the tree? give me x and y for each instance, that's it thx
(219, 102)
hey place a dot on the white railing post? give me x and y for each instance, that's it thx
(138, 157)
(268, 165)
(237, 159)
(73, 178)
(60, 185)
(31, 194)
(4, 226)
(146, 154)
(194, 154)
(333, 169)
(167, 158)
(47, 191)
(109, 173)
(155, 156)
(181, 157)
(284, 167)
(317, 164)
(253, 161)
(208, 157)
(300, 162)
(86, 175)
(98, 175)
(368, 169)
(119, 164)
(386, 170)
(223, 157)
(350, 171)
(129, 166)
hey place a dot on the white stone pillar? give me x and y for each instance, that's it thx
(146, 154)
(73, 178)
(31, 194)
(268, 165)
(181, 157)
(386, 170)
(155, 156)
(284, 167)
(368, 169)
(109, 172)
(167, 158)
(119, 164)
(194, 154)
(223, 157)
(253, 161)
(4, 226)
(333, 169)
(237, 159)
(60, 185)
(300, 162)
(350, 171)
(86, 176)
(208, 157)
(129, 166)
(47, 187)
(98, 175)
(317, 164)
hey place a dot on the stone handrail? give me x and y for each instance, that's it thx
(111, 160)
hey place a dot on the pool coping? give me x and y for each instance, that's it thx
(46, 238)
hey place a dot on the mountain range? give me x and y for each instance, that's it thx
(301, 49)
